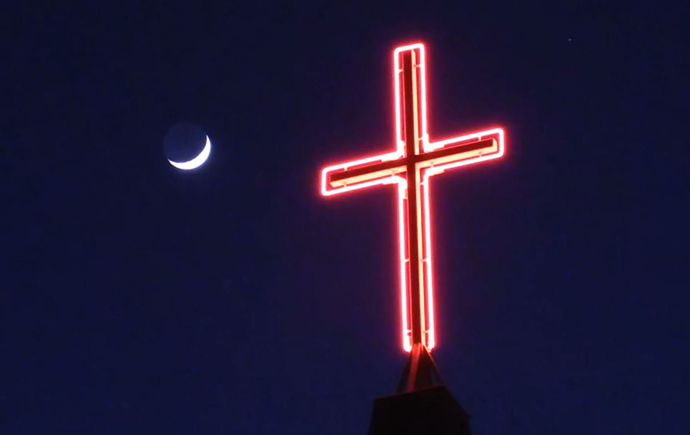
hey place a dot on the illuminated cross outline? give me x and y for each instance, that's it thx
(413, 163)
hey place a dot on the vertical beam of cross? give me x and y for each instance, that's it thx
(411, 166)
(418, 311)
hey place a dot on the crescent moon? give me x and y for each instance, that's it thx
(196, 161)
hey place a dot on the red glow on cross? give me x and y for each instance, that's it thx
(415, 160)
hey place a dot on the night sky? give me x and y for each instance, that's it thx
(139, 299)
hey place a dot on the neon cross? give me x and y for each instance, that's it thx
(411, 166)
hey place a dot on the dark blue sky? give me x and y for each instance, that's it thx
(136, 299)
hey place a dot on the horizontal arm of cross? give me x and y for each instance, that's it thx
(436, 158)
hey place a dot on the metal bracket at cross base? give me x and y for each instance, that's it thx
(422, 405)
(420, 371)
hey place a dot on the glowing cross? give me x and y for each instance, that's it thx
(411, 167)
